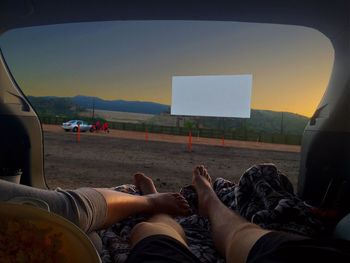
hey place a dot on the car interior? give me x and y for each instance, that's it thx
(324, 175)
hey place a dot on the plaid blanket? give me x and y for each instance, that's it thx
(263, 196)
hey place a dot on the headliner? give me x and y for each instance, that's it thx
(331, 18)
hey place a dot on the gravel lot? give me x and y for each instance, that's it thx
(105, 160)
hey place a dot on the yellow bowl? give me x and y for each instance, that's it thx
(32, 234)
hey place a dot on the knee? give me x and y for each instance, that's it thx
(163, 220)
(146, 229)
(159, 218)
(240, 242)
(141, 227)
(141, 231)
(150, 227)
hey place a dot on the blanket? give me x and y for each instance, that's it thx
(263, 196)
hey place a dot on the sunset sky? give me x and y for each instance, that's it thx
(135, 60)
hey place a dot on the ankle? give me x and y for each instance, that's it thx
(208, 203)
(212, 203)
(151, 203)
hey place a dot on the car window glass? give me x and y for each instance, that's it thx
(121, 72)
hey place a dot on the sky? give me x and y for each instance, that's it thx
(136, 60)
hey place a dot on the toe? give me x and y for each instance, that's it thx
(186, 205)
(139, 175)
(196, 170)
(183, 202)
(176, 195)
(201, 169)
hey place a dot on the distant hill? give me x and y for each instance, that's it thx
(260, 120)
(54, 105)
(118, 116)
(272, 121)
(70, 105)
(120, 105)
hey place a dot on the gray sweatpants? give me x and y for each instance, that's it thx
(85, 207)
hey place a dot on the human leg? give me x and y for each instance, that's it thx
(233, 236)
(159, 224)
(122, 205)
(72, 205)
(161, 238)
(92, 209)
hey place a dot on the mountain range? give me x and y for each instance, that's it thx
(260, 120)
(120, 105)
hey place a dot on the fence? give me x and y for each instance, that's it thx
(244, 135)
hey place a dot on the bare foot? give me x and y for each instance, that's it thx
(144, 184)
(165, 203)
(169, 203)
(202, 183)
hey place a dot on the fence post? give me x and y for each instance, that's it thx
(189, 141)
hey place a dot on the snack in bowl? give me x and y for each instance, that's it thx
(25, 241)
(30, 234)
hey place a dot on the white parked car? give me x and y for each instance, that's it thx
(72, 125)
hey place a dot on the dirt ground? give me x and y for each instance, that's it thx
(105, 160)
